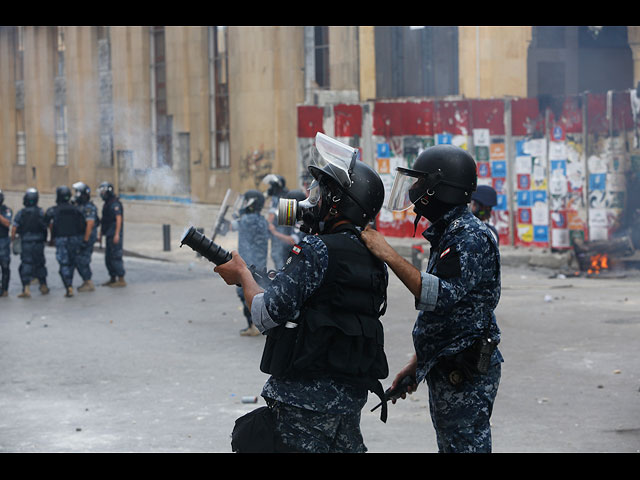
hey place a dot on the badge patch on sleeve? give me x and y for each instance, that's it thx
(296, 250)
(448, 264)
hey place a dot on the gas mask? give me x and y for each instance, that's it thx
(332, 165)
(292, 211)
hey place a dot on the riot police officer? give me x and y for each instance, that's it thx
(277, 190)
(455, 334)
(67, 226)
(253, 244)
(6, 215)
(30, 224)
(82, 199)
(482, 202)
(112, 228)
(327, 300)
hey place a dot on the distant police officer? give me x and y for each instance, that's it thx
(455, 335)
(6, 215)
(277, 190)
(482, 202)
(320, 313)
(67, 226)
(253, 243)
(112, 228)
(30, 224)
(82, 200)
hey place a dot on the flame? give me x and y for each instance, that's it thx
(598, 262)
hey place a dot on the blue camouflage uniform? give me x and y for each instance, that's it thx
(460, 291)
(113, 251)
(253, 246)
(313, 414)
(83, 264)
(30, 225)
(67, 241)
(5, 250)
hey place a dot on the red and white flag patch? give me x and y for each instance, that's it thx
(296, 249)
(445, 252)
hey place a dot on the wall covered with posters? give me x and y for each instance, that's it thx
(560, 165)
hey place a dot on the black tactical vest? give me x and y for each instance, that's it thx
(32, 226)
(109, 215)
(68, 221)
(339, 334)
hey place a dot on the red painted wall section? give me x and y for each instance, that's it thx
(393, 119)
(597, 114)
(488, 114)
(309, 121)
(347, 120)
(417, 119)
(526, 118)
(453, 117)
(622, 114)
(570, 118)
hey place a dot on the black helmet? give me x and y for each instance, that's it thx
(485, 195)
(106, 191)
(253, 201)
(277, 184)
(63, 194)
(30, 198)
(348, 186)
(442, 172)
(83, 192)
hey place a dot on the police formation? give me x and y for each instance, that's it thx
(321, 311)
(73, 226)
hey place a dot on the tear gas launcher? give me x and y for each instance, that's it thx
(213, 252)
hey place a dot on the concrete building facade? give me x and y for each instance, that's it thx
(182, 113)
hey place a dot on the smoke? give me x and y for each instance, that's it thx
(116, 134)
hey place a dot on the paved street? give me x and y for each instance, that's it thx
(159, 366)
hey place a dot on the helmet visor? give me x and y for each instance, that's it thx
(335, 157)
(103, 188)
(314, 194)
(408, 187)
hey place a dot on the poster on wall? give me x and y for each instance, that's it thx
(531, 197)
(489, 150)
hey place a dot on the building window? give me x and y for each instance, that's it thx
(60, 120)
(105, 97)
(219, 96)
(164, 122)
(21, 137)
(321, 53)
(416, 61)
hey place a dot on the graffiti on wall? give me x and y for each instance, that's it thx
(255, 165)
